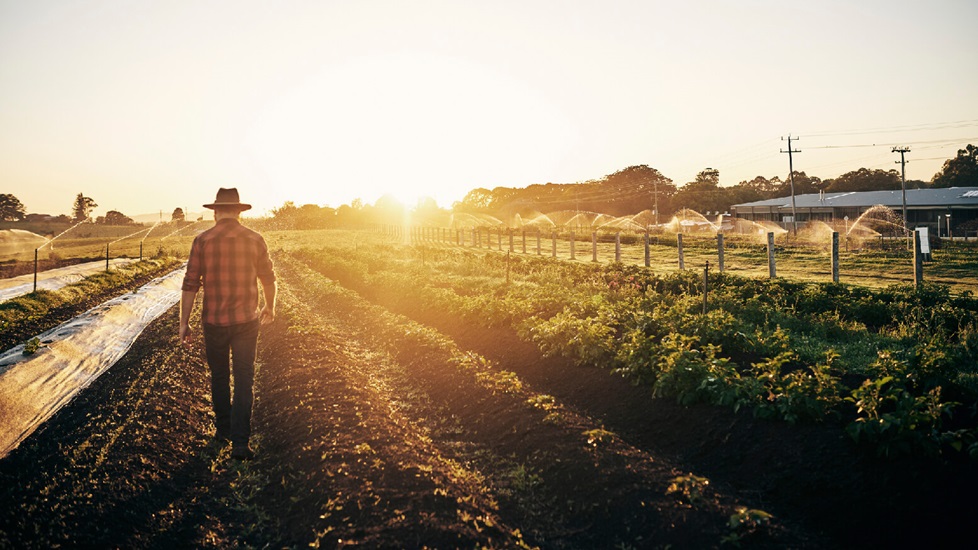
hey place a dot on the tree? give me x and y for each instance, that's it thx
(864, 179)
(476, 200)
(960, 171)
(11, 209)
(114, 217)
(703, 194)
(82, 208)
(178, 215)
(804, 184)
(631, 189)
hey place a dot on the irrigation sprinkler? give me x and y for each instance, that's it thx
(106, 256)
(35, 269)
(772, 272)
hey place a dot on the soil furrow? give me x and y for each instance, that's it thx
(561, 490)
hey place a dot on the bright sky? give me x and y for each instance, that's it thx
(146, 106)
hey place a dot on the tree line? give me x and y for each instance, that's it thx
(637, 188)
(627, 191)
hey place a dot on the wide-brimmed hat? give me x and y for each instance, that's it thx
(228, 198)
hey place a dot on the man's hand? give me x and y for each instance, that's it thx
(186, 337)
(266, 315)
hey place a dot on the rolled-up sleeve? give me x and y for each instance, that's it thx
(264, 269)
(192, 280)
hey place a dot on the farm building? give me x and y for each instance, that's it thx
(925, 207)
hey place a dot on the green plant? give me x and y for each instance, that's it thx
(745, 522)
(689, 487)
(31, 346)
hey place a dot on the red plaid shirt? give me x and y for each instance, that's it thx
(228, 260)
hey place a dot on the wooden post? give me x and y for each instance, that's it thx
(835, 256)
(770, 255)
(573, 256)
(720, 250)
(679, 245)
(553, 237)
(106, 256)
(706, 284)
(618, 247)
(594, 246)
(524, 241)
(918, 260)
(648, 259)
(35, 270)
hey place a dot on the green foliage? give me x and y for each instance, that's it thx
(894, 417)
(690, 488)
(745, 522)
(31, 346)
(788, 350)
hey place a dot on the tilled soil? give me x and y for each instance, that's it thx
(379, 431)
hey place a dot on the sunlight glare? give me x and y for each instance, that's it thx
(411, 125)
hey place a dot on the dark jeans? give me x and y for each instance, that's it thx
(239, 342)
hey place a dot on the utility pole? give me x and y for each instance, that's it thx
(903, 182)
(791, 178)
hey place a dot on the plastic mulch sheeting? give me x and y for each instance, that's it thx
(34, 387)
(53, 279)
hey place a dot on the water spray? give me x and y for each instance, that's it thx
(49, 241)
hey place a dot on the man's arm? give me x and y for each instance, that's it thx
(267, 313)
(186, 306)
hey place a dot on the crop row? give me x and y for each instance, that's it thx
(33, 312)
(897, 366)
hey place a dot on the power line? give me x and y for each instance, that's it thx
(905, 128)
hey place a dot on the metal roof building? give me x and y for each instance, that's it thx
(925, 207)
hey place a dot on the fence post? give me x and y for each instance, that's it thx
(720, 250)
(35, 269)
(573, 256)
(679, 245)
(918, 260)
(648, 259)
(553, 237)
(835, 256)
(770, 255)
(706, 284)
(524, 241)
(106, 256)
(618, 247)
(594, 246)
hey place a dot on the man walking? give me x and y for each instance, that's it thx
(228, 260)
